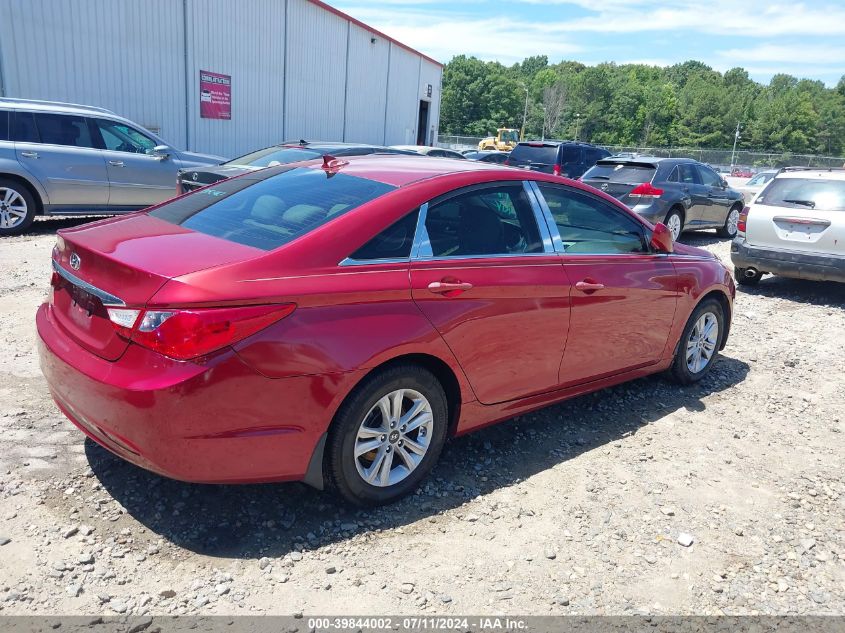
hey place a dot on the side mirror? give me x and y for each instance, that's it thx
(661, 239)
(162, 152)
(724, 184)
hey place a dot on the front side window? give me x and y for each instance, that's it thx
(490, 221)
(589, 226)
(63, 129)
(392, 243)
(119, 137)
(268, 210)
(709, 177)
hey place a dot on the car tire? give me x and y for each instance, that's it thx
(742, 278)
(675, 223)
(729, 228)
(699, 344)
(365, 423)
(17, 207)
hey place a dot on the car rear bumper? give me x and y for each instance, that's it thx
(214, 422)
(788, 263)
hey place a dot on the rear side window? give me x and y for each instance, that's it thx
(489, 221)
(392, 243)
(629, 173)
(4, 125)
(63, 129)
(269, 211)
(805, 193)
(588, 226)
(276, 156)
(570, 154)
(537, 153)
(23, 128)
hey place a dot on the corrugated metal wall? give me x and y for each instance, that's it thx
(298, 70)
(246, 40)
(99, 52)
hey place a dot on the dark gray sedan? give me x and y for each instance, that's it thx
(680, 192)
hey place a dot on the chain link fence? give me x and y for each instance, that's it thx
(718, 157)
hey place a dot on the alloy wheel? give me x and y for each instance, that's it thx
(673, 223)
(732, 221)
(13, 208)
(702, 341)
(393, 437)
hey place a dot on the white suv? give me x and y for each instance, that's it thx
(795, 227)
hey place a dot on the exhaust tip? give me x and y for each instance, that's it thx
(751, 272)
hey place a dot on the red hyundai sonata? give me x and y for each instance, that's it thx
(336, 321)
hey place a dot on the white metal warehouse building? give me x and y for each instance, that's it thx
(299, 69)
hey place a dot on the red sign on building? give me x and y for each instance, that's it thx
(215, 95)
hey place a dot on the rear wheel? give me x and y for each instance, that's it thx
(387, 436)
(699, 343)
(675, 223)
(729, 228)
(747, 276)
(17, 208)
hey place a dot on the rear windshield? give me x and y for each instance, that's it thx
(271, 210)
(620, 172)
(537, 154)
(800, 193)
(275, 155)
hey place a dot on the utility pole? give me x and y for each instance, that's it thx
(543, 133)
(577, 124)
(524, 113)
(736, 138)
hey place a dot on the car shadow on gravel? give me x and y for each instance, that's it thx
(251, 521)
(819, 293)
(700, 239)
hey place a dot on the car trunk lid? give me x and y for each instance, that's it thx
(123, 262)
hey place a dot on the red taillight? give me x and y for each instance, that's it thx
(645, 190)
(742, 222)
(189, 333)
(556, 170)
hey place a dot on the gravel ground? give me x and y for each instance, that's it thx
(726, 497)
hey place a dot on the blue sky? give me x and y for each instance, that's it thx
(806, 39)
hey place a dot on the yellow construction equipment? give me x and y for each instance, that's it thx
(505, 140)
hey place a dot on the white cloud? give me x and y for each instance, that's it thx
(819, 54)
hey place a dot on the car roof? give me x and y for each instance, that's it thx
(554, 142)
(53, 106)
(836, 173)
(400, 169)
(646, 160)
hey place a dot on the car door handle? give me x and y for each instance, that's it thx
(29, 154)
(116, 163)
(588, 286)
(444, 287)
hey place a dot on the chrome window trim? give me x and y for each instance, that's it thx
(370, 262)
(106, 298)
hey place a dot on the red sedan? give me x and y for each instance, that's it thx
(335, 322)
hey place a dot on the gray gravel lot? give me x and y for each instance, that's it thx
(725, 497)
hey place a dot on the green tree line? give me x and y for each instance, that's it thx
(685, 105)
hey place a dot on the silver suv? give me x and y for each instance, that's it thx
(64, 159)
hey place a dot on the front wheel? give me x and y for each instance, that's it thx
(730, 227)
(387, 436)
(699, 343)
